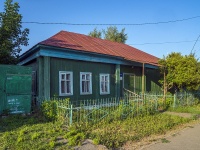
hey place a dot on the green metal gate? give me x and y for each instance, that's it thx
(15, 89)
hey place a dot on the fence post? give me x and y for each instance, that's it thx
(156, 104)
(70, 115)
(174, 105)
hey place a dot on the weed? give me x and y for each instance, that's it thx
(35, 136)
(75, 135)
(187, 109)
(52, 144)
(34, 132)
(96, 141)
(118, 132)
(76, 139)
(164, 140)
(49, 109)
(19, 139)
(174, 134)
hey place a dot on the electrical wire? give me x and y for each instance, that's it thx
(110, 24)
(157, 43)
(195, 43)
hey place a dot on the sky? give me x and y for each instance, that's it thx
(157, 39)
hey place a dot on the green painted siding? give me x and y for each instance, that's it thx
(41, 87)
(48, 77)
(76, 67)
(152, 80)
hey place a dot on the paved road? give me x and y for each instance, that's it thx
(187, 139)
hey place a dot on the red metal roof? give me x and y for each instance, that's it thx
(85, 43)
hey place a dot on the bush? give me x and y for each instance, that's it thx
(49, 110)
(56, 109)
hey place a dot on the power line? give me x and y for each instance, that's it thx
(195, 43)
(110, 24)
(163, 43)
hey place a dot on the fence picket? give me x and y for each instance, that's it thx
(131, 105)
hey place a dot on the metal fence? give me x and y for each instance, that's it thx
(108, 109)
(92, 111)
(15, 89)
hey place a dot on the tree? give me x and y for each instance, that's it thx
(111, 34)
(180, 72)
(12, 37)
(95, 33)
(114, 35)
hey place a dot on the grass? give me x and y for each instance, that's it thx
(118, 132)
(36, 132)
(164, 140)
(29, 132)
(187, 109)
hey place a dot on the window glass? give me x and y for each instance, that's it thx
(104, 84)
(86, 83)
(65, 83)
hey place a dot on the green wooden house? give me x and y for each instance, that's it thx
(81, 67)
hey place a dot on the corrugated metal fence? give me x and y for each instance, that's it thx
(15, 89)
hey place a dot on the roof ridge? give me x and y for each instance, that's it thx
(82, 42)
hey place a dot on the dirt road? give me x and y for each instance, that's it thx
(187, 139)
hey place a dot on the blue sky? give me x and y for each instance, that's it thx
(118, 12)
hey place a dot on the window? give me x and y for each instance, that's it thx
(85, 83)
(65, 83)
(104, 84)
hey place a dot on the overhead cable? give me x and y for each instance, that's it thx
(157, 43)
(195, 43)
(110, 24)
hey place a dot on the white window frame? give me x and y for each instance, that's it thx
(71, 81)
(90, 83)
(108, 83)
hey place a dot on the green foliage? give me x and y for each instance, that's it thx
(35, 136)
(181, 72)
(12, 37)
(195, 109)
(114, 35)
(52, 144)
(75, 135)
(115, 134)
(95, 33)
(118, 110)
(76, 139)
(55, 109)
(50, 110)
(164, 140)
(33, 132)
(30, 132)
(111, 34)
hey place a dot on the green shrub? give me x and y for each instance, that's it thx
(49, 110)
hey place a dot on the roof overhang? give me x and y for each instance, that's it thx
(43, 50)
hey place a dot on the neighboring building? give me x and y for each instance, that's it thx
(82, 67)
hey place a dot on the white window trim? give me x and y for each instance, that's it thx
(104, 74)
(71, 79)
(90, 89)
